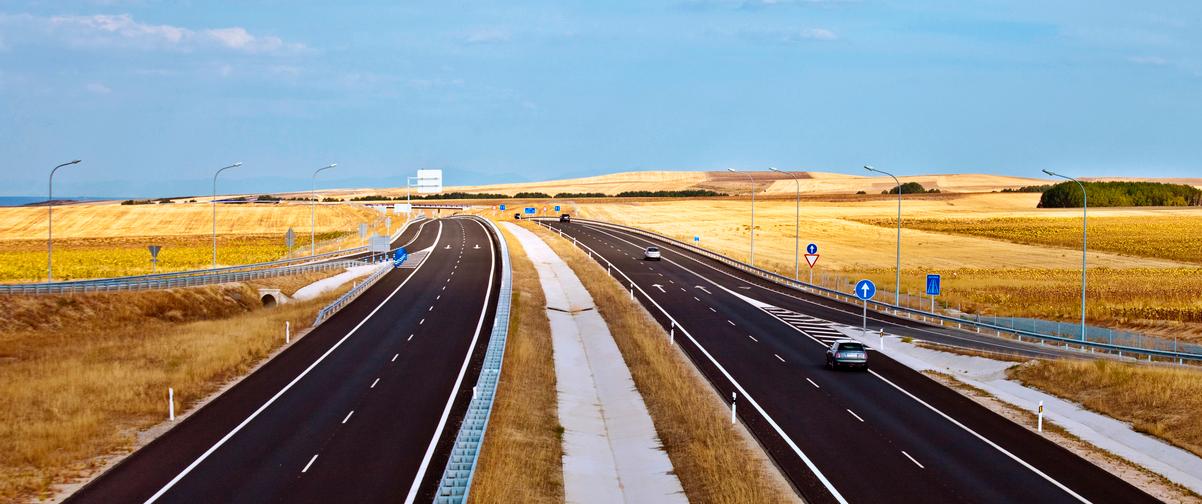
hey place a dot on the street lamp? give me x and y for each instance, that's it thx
(50, 223)
(1084, 240)
(749, 177)
(796, 227)
(313, 210)
(214, 203)
(897, 280)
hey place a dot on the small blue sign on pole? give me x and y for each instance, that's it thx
(502, 206)
(556, 208)
(933, 285)
(696, 238)
(529, 210)
(811, 249)
(865, 289)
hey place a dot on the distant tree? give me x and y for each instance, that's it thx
(1028, 189)
(909, 188)
(861, 192)
(581, 195)
(1121, 194)
(686, 193)
(540, 195)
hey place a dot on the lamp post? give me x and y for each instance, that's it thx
(897, 280)
(749, 177)
(1084, 239)
(214, 203)
(796, 227)
(50, 223)
(313, 210)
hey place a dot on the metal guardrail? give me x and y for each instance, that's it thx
(456, 480)
(355, 291)
(193, 278)
(934, 319)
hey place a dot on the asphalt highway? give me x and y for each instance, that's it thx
(362, 409)
(887, 435)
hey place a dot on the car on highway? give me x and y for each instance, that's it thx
(847, 353)
(565, 218)
(517, 216)
(651, 253)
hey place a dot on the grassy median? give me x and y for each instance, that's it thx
(521, 460)
(1161, 401)
(714, 462)
(81, 375)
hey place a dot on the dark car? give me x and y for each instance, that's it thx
(847, 353)
(565, 218)
(517, 216)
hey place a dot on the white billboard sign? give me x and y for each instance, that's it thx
(379, 243)
(429, 181)
(400, 208)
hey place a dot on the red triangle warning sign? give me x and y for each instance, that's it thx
(811, 259)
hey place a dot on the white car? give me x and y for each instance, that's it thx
(651, 254)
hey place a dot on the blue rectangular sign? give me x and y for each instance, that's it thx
(529, 210)
(933, 285)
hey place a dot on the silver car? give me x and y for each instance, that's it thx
(847, 353)
(651, 254)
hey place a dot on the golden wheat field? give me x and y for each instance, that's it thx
(1148, 283)
(107, 240)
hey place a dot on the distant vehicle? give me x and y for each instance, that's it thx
(847, 353)
(399, 257)
(651, 254)
(565, 218)
(517, 216)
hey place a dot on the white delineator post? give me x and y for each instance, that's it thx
(1040, 426)
(734, 397)
(287, 331)
(882, 339)
(672, 333)
(632, 291)
(171, 404)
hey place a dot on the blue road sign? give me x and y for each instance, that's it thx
(696, 238)
(932, 285)
(556, 208)
(502, 206)
(530, 210)
(811, 249)
(865, 289)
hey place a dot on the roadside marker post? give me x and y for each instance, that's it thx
(1040, 416)
(865, 289)
(287, 331)
(734, 398)
(171, 404)
(672, 333)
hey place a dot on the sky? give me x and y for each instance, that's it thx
(155, 96)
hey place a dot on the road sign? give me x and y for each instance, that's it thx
(933, 285)
(379, 243)
(502, 207)
(290, 238)
(529, 210)
(696, 238)
(402, 208)
(811, 259)
(429, 181)
(154, 251)
(556, 208)
(865, 289)
(812, 249)
(362, 230)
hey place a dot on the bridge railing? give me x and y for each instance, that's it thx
(345, 299)
(456, 482)
(931, 318)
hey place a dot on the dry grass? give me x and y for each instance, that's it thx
(713, 461)
(521, 457)
(1162, 401)
(81, 375)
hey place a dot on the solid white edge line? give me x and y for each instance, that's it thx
(920, 466)
(277, 395)
(982, 438)
(446, 412)
(874, 373)
(348, 416)
(855, 415)
(750, 400)
(306, 469)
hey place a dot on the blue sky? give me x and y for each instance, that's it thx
(154, 96)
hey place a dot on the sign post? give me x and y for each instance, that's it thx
(811, 259)
(865, 289)
(290, 240)
(933, 289)
(154, 258)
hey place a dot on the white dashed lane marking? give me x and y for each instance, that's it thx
(306, 469)
(855, 415)
(778, 357)
(398, 355)
(753, 338)
(348, 416)
(373, 384)
(812, 383)
(920, 466)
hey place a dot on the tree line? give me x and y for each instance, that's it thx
(1121, 194)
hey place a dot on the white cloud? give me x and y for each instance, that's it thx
(817, 34)
(789, 36)
(123, 31)
(97, 88)
(488, 36)
(1148, 60)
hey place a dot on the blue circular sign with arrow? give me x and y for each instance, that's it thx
(865, 289)
(811, 249)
